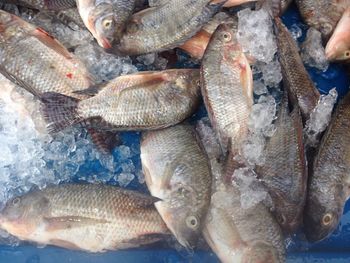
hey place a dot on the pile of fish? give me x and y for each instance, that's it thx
(200, 177)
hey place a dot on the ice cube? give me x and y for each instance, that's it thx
(260, 88)
(312, 50)
(296, 31)
(124, 179)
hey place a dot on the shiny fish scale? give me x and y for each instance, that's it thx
(138, 107)
(166, 26)
(106, 203)
(330, 180)
(47, 4)
(295, 77)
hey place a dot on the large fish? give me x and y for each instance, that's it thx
(146, 100)
(166, 26)
(235, 234)
(322, 14)
(36, 61)
(295, 77)
(44, 4)
(105, 19)
(329, 184)
(227, 87)
(284, 171)
(338, 47)
(88, 217)
(176, 170)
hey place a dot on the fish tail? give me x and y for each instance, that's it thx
(59, 111)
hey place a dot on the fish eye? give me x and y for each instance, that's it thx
(327, 219)
(107, 23)
(347, 54)
(192, 222)
(16, 201)
(226, 36)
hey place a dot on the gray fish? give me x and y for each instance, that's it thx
(45, 4)
(296, 79)
(142, 101)
(329, 184)
(176, 170)
(166, 26)
(227, 87)
(87, 217)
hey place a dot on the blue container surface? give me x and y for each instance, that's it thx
(334, 249)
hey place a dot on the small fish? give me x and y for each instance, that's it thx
(105, 19)
(322, 14)
(36, 61)
(329, 183)
(284, 171)
(87, 217)
(227, 87)
(45, 4)
(146, 100)
(176, 171)
(197, 45)
(166, 26)
(296, 79)
(338, 47)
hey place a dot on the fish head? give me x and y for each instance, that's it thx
(102, 24)
(131, 41)
(338, 50)
(22, 215)
(261, 252)
(323, 212)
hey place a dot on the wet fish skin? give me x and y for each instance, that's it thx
(296, 79)
(176, 170)
(105, 19)
(322, 14)
(284, 171)
(329, 183)
(45, 4)
(52, 68)
(142, 101)
(338, 47)
(166, 26)
(88, 217)
(227, 87)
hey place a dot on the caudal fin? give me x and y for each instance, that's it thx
(59, 111)
(105, 141)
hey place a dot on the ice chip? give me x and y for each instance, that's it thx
(260, 88)
(296, 31)
(124, 179)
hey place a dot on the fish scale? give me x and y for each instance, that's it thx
(329, 183)
(45, 4)
(89, 217)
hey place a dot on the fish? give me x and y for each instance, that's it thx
(322, 14)
(329, 183)
(236, 234)
(88, 217)
(141, 101)
(37, 62)
(44, 4)
(176, 171)
(227, 87)
(197, 45)
(105, 19)
(284, 172)
(296, 79)
(175, 21)
(338, 46)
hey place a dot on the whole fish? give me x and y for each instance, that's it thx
(146, 100)
(197, 45)
(322, 14)
(235, 234)
(295, 77)
(176, 170)
(329, 184)
(44, 4)
(338, 47)
(166, 26)
(227, 87)
(36, 61)
(87, 217)
(105, 19)
(284, 171)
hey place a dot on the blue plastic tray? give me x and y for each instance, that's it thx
(335, 249)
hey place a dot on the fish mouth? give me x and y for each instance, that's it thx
(104, 42)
